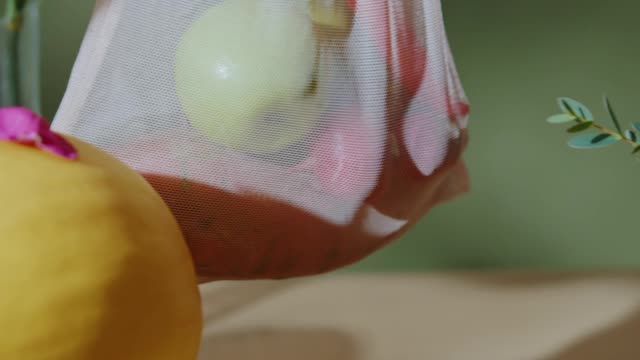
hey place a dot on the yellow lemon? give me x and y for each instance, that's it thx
(92, 263)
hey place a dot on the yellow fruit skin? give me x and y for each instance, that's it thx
(92, 263)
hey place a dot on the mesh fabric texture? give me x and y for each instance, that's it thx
(288, 137)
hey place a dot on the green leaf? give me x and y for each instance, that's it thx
(580, 127)
(600, 138)
(560, 118)
(614, 118)
(636, 149)
(592, 141)
(636, 125)
(631, 135)
(575, 108)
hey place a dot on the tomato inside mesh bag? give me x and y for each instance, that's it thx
(288, 137)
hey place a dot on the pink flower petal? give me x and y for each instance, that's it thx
(23, 126)
(56, 144)
(18, 123)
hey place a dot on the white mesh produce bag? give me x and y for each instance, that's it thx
(288, 137)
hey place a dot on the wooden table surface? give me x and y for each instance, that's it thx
(493, 316)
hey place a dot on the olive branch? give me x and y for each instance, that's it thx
(582, 118)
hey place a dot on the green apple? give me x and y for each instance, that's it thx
(240, 63)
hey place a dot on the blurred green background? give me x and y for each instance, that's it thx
(534, 202)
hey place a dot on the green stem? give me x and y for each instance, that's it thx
(608, 131)
(13, 67)
(615, 133)
(13, 13)
(10, 84)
